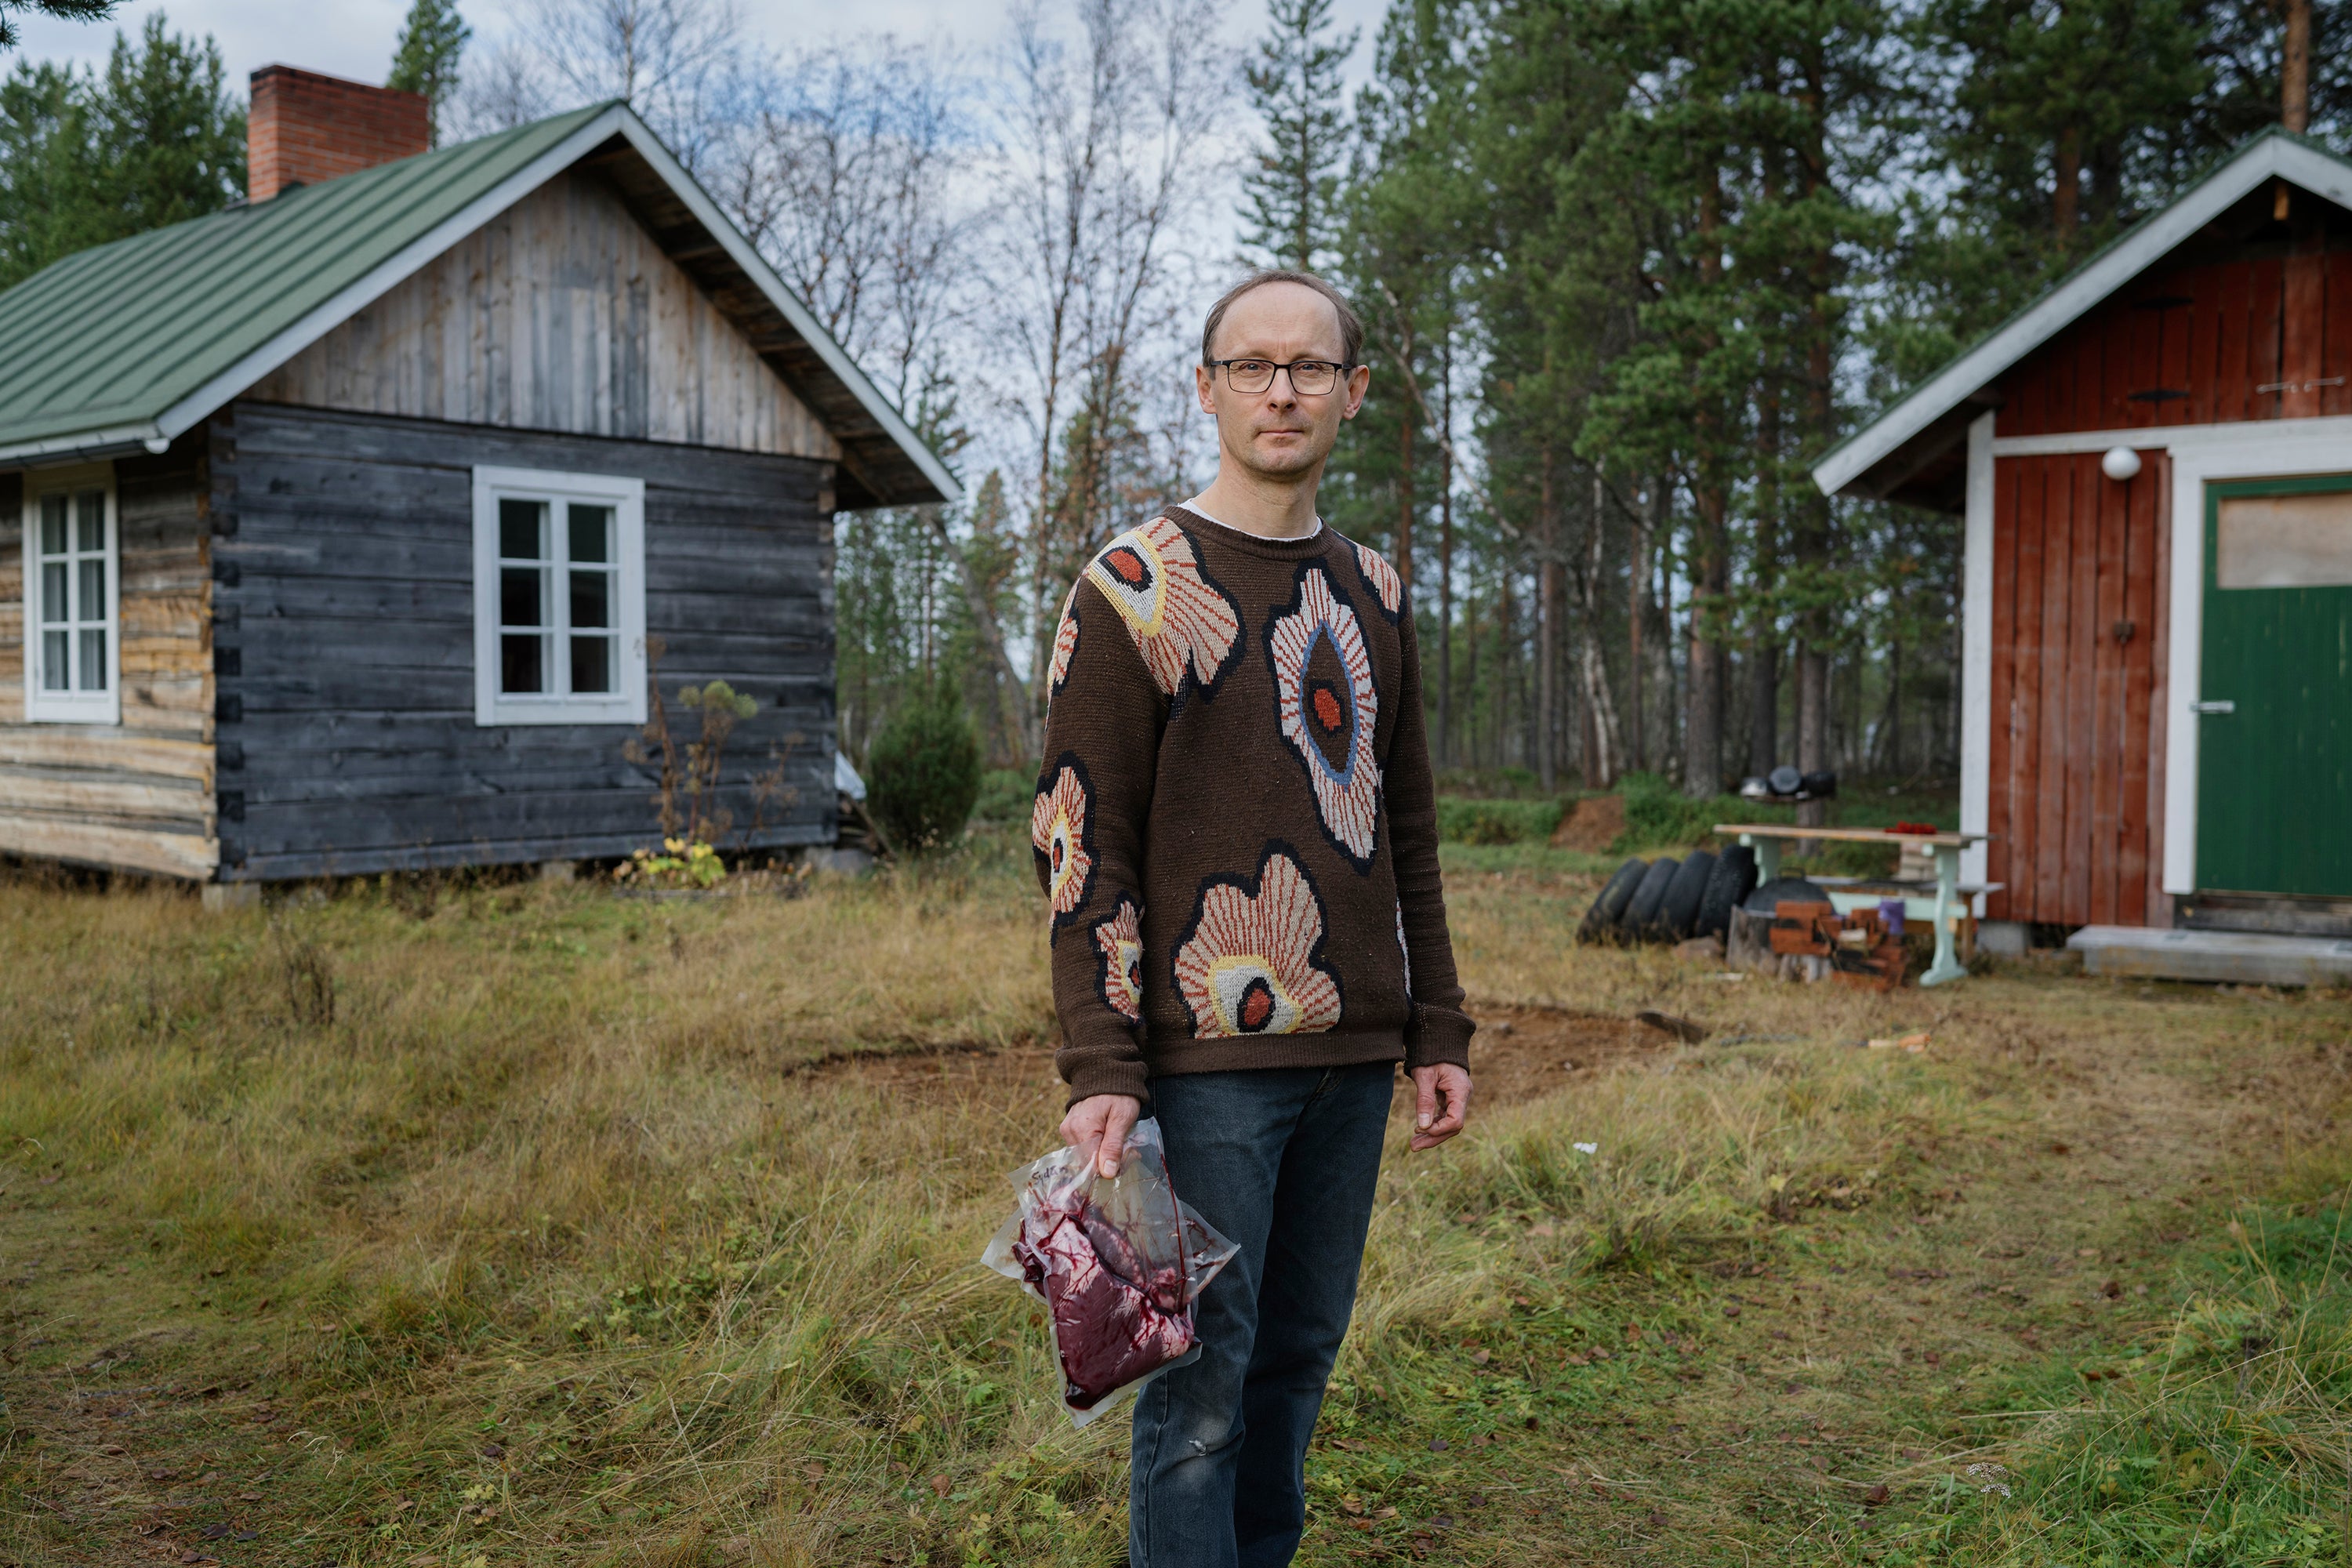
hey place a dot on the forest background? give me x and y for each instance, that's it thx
(1629, 268)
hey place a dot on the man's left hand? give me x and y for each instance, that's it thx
(1440, 1103)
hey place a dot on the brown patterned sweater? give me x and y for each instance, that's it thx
(1235, 823)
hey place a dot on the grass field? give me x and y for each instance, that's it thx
(475, 1224)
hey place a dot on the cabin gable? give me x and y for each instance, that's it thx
(560, 314)
(2250, 321)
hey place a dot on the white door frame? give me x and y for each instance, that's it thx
(2201, 453)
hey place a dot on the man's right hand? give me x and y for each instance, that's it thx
(1100, 1124)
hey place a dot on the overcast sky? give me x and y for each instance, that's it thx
(354, 37)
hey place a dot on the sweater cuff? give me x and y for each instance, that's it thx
(1097, 1069)
(1439, 1035)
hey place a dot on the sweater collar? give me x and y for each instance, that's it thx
(1251, 543)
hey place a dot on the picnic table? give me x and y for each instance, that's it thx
(1944, 910)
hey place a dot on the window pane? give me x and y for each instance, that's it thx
(523, 529)
(92, 604)
(53, 525)
(56, 608)
(2284, 541)
(90, 518)
(93, 662)
(592, 533)
(523, 597)
(591, 599)
(522, 665)
(54, 669)
(592, 664)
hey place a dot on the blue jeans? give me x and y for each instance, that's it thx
(1284, 1161)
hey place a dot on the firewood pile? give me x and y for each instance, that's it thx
(1802, 939)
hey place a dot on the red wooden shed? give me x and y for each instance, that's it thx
(2154, 461)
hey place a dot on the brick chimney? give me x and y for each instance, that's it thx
(303, 128)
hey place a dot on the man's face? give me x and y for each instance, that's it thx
(1277, 432)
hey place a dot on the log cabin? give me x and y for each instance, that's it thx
(2153, 464)
(358, 520)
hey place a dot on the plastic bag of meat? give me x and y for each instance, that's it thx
(1118, 1265)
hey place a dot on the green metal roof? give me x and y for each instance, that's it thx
(136, 342)
(101, 345)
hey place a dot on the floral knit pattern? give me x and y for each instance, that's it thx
(1327, 708)
(1065, 644)
(1058, 833)
(1119, 943)
(1249, 963)
(1182, 622)
(1383, 579)
(1236, 820)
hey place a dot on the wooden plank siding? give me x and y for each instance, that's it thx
(2075, 809)
(348, 740)
(561, 314)
(136, 796)
(2267, 336)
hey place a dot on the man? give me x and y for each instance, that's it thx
(1236, 829)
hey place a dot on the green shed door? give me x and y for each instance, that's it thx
(2275, 722)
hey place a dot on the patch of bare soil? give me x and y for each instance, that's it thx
(946, 1074)
(1520, 1054)
(1523, 1053)
(1593, 824)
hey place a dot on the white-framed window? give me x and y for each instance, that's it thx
(73, 646)
(559, 598)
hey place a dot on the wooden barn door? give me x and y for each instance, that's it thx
(2274, 719)
(2074, 798)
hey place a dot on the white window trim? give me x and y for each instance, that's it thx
(626, 496)
(1976, 654)
(71, 707)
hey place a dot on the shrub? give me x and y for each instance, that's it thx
(1461, 821)
(922, 775)
(1657, 813)
(1005, 795)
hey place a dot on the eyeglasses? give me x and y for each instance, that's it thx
(1309, 378)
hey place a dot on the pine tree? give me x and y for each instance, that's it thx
(1291, 198)
(426, 59)
(86, 159)
(65, 10)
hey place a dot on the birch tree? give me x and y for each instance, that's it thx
(1109, 140)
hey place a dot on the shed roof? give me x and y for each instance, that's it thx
(1928, 421)
(136, 342)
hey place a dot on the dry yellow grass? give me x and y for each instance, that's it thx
(550, 1246)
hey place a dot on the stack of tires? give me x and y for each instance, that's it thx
(1669, 901)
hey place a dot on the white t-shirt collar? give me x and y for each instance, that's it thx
(1194, 507)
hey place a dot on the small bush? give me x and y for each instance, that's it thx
(1657, 813)
(1461, 821)
(923, 775)
(1005, 795)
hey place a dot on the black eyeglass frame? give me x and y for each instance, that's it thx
(1340, 369)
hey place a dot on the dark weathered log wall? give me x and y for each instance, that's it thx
(137, 796)
(2077, 807)
(344, 601)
